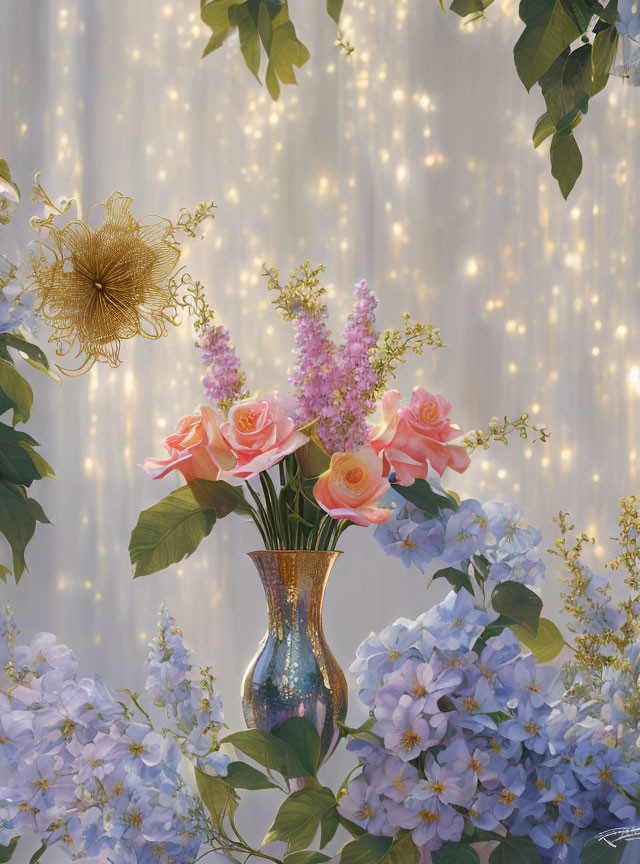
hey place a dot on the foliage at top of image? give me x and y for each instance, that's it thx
(262, 25)
(568, 48)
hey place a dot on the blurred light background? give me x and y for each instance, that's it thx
(409, 164)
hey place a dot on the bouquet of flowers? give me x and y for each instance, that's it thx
(334, 467)
(473, 742)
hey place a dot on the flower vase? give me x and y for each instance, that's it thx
(294, 674)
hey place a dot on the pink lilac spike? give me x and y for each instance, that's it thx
(223, 381)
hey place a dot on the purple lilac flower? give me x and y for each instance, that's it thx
(335, 385)
(224, 380)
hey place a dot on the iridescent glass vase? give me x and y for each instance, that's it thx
(294, 674)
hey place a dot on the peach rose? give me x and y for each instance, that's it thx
(196, 449)
(412, 437)
(352, 486)
(260, 434)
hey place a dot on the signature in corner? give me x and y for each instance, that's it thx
(619, 835)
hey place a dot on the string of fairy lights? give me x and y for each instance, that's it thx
(408, 163)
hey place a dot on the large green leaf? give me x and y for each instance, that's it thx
(219, 797)
(518, 603)
(380, 850)
(548, 31)
(328, 827)
(603, 53)
(215, 14)
(306, 857)
(169, 531)
(246, 19)
(38, 855)
(334, 8)
(219, 496)
(515, 850)
(455, 853)
(243, 776)
(425, 498)
(599, 852)
(298, 819)
(566, 160)
(454, 577)
(563, 85)
(6, 852)
(18, 517)
(18, 462)
(365, 850)
(268, 751)
(543, 128)
(32, 351)
(285, 51)
(469, 7)
(17, 390)
(546, 644)
(302, 736)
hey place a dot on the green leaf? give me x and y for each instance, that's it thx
(17, 389)
(548, 31)
(19, 462)
(425, 498)
(566, 161)
(169, 531)
(268, 751)
(519, 603)
(455, 853)
(302, 736)
(6, 852)
(7, 186)
(38, 855)
(334, 8)
(243, 776)
(515, 850)
(249, 38)
(306, 857)
(365, 850)
(469, 7)
(18, 515)
(598, 852)
(543, 128)
(454, 577)
(563, 86)
(603, 54)
(328, 827)
(300, 815)
(581, 11)
(220, 799)
(219, 496)
(546, 644)
(215, 14)
(34, 352)
(379, 850)
(285, 52)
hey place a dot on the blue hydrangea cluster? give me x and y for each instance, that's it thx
(492, 537)
(79, 770)
(467, 731)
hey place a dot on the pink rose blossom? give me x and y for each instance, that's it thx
(260, 434)
(352, 486)
(412, 437)
(196, 449)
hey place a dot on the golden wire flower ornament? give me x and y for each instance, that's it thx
(95, 286)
